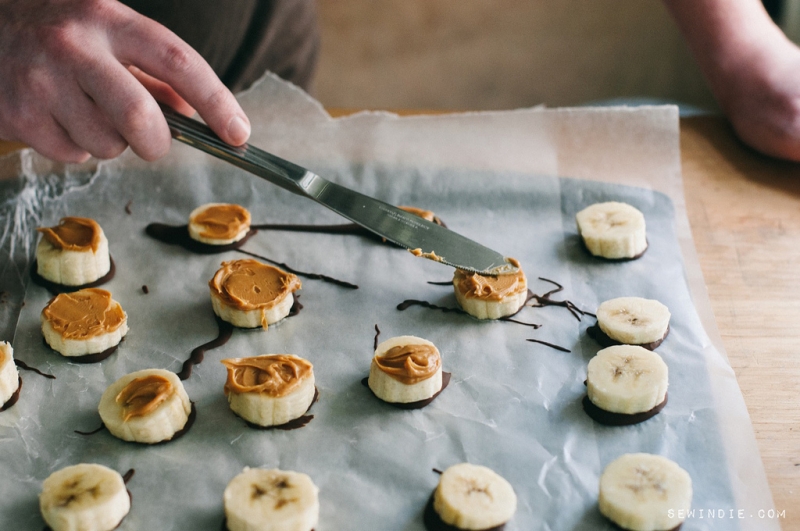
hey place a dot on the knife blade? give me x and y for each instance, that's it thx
(402, 228)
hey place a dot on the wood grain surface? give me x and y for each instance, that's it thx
(744, 211)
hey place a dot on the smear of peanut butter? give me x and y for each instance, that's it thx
(424, 214)
(274, 375)
(248, 284)
(410, 364)
(84, 314)
(222, 221)
(73, 234)
(143, 395)
(492, 288)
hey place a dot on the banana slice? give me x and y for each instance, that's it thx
(148, 406)
(405, 369)
(271, 500)
(270, 390)
(634, 321)
(613, 230)
(219, 223)
(627, 380)
(645, 492)
(85, 497)
(83, 322)
(73, 253)
(491, 297)
(249, 294)
(471, 497)
(9, 377)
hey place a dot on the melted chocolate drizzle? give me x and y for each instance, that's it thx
(197, 355)
(126, 477)
(177, 435)
(13, 398)
(25, 367)
(293, 424)
(86, 358)
(551, 345)
(145, 290)
(179, 235)
(545, 300)
(425, 304)
(445, 283)
(128, 207)
(609, 418)
(96, 430)
(433, 522)
(596, 333)
(377, 335)
(313, 276)
(55, 288)
(437, 471)
(419, 404)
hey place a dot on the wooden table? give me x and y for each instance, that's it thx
(744, 210)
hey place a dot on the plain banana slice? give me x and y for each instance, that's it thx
(271, 500)
(473, 497)
(634, 321)
(627, 379)
(73, 253)
(270, 390)
(219, 223)
(405, 369)
(250, 294)
(645, 492)
(85, 497)
(9, 377)
(491, 297)
(148, 406)
(613, 230)
(83, 322)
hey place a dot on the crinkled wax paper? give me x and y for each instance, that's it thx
(513, 181)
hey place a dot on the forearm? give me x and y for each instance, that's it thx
(725, 36)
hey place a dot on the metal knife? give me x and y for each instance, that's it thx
(418, 235)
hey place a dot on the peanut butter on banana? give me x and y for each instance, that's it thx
(492, 288)
(274, 375)
(222, 221)
(250, 285)
(84, 314)
(410, 364)
(73, 234)
(143, 395)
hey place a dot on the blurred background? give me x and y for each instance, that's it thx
(505, 54)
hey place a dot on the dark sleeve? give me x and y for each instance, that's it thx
(241, 39)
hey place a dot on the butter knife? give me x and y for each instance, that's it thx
(418, 235)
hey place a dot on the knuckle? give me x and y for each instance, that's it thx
(137, 117)
(109, 150)
(178, 58)
(218, 98)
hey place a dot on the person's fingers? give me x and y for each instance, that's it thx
(87, 126)
(162, 54)
(129, 107)
(51, 140)
(162, 92)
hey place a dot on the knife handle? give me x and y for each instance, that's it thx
(276, 170)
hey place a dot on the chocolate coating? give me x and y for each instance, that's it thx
(55, 289)
(419, 404)
(179, 235)
(178, 434)
(13, 398)
(433, 522)
(596, 333)
(293, 424)
(619, 419)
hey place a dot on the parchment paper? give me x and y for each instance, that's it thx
(505, 179)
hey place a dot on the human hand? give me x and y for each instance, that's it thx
(83, 77)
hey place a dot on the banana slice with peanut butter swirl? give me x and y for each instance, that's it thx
(148, 406)
(405, 369)
(219, 223)
(73, 253)
(271, 389)
(251, 294)
(84, 322)
(491, 297)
